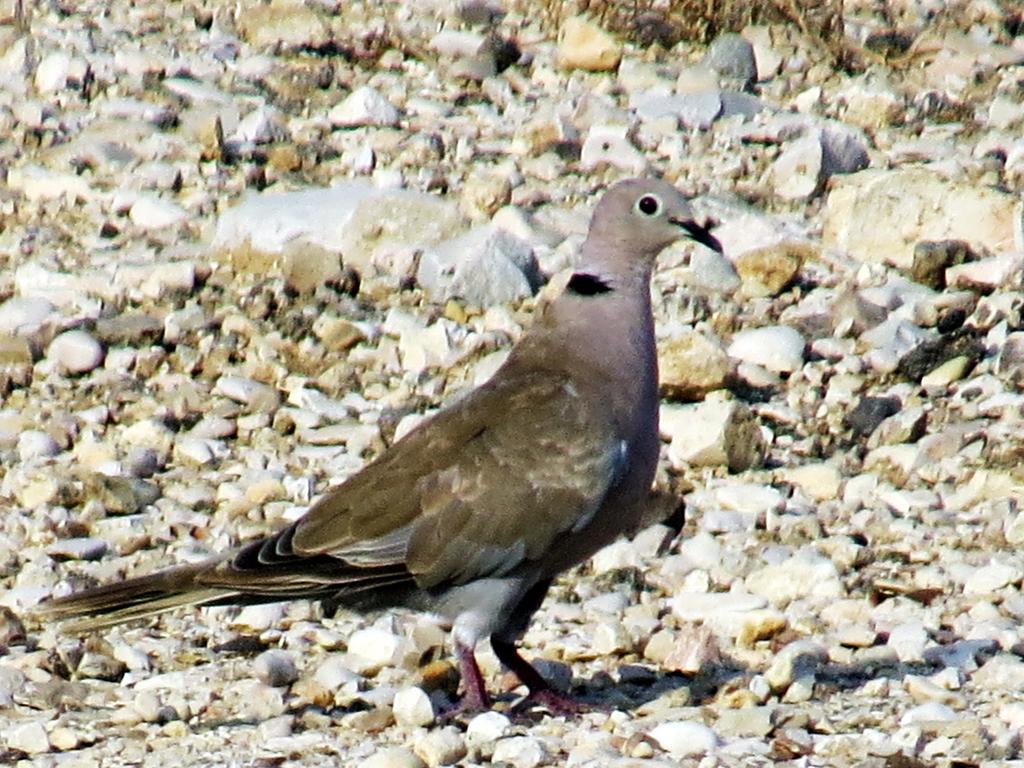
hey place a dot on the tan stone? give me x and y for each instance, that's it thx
(584, 45)
(691, 365)
(879, 215)
(290, 23)
(770, 270)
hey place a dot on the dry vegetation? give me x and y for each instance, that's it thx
(669, 21)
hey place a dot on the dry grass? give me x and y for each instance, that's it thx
(669, 21)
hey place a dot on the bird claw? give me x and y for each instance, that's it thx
(467, 705)
(557, 704)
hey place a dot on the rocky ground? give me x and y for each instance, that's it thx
(246, 245)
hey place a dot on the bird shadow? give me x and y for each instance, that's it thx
(635, 687)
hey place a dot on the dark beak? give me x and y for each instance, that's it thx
(700, 233)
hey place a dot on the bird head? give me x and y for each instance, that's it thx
(646, 215)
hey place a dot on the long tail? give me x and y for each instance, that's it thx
(263, 571)
(135, 599)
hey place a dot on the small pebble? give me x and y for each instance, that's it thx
(36, 444)
(519, 752)
(30, 738)
(412, 707)
(75, 352)
(778, 348)
(444, 746)
(394, 757)
(684, 739)
(364, 106)
(276, 668)
(484, 730)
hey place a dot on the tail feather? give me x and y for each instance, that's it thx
(134, 599)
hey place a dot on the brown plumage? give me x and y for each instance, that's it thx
(475, 512)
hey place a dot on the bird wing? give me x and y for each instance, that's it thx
(474, 491)
(543, 468)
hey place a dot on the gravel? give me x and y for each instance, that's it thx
(246, 246)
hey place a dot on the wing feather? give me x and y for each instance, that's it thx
(479, 488)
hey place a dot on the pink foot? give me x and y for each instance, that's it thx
(558, 704)
(474, 697)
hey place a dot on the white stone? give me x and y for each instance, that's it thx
(584, 45)
(931, 712)
(987, 274)
(412, 707)
(376, 647)
(749, 498)
(457, 43)
(1012, 713)
(181, 322)
(717, 431)
(261, 397)
(709, 272)
(276, 668)
(702, 550)
(617, 555)
(992, 577)
(335, 675)
(423, 348)
(56, 69)
(24, 314)
(879, 215)
(262, 126)
(891, 340)
(36, 444)
(353, 218)
(364, 106)
(820, 481)
(797, 659)
(83, 548)
(38, 183)
(444, 746)
(136, 659)
(156, 280)
(610, 637)
(75, 351)
(28, 737)
(485, 266)
(684, 739)
(806, 574)
(486, 728)
(152, 212)
(393, 757)
(724, 612)
(778, 348)
(519, 752)
(610, 145)
(259, 617)
(796, 174)
(198, 451)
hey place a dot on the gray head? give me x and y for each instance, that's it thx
(640, 217)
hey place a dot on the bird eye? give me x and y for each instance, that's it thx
(649, 205)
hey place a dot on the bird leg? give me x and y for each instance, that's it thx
(474, 698)
(540, 690)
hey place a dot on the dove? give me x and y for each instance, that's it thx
(475, 512)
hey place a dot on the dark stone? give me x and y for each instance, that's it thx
(652, 27)
(506, 52)
(933, 257)
(732, 57)
(889, 42)
(926, 357)
(870, 412)
(132, 329)
(951, 320)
